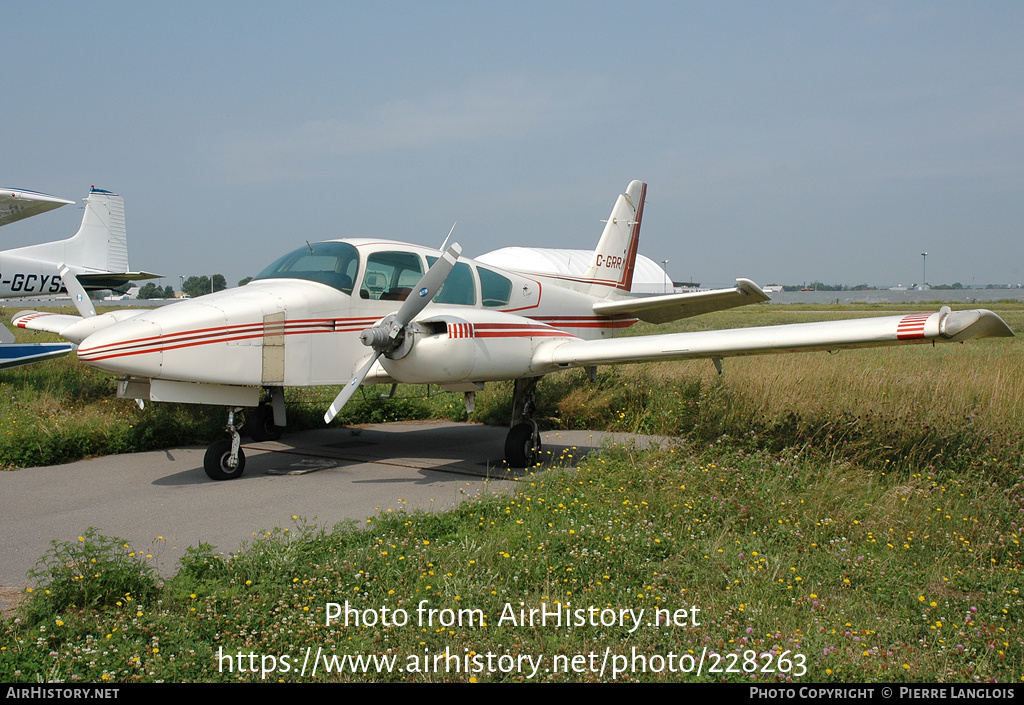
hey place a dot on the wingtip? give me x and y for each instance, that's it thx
(975, 323)
(747, 286)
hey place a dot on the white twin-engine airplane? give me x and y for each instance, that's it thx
(362, 310)
(95, 258)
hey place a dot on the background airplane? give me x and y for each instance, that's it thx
(16, 204)
(97, 256)
(367, 310)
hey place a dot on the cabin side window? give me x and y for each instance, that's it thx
(495, 290)
(459, 288)
(390, 276)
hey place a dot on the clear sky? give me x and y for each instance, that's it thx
(782, 141)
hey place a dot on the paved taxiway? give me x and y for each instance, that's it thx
(326, 476)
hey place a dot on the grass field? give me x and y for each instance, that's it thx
(853, 517)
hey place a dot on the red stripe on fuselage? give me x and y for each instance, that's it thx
(587, 321)
(219, 334)
(251, 331)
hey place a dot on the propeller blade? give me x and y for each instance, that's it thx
(350, 389)
(426, 288)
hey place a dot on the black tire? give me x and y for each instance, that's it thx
(216, 461)
(260, 424)
(519, 449)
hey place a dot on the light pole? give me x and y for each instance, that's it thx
(924, 270)
(664, 267)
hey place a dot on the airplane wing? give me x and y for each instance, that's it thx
(943, 326)
(671, 307)
(16, 204)
(14, 354)
(18, 354)
(73, 328)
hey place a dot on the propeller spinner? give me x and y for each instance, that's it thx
(389, 334)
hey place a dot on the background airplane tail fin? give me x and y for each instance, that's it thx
(101, 243)
(611, 268)
(102, 240)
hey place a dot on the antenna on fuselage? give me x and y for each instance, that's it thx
(445, 243)
(309, 246)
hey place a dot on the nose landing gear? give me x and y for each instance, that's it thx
(523, 445)
(224, 459)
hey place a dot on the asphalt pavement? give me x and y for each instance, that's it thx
(163, 502)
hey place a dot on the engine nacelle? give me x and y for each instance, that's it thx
(481, 346)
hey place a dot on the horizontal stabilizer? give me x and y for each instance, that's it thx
(16, 204)
(113, 280)
(944, 326)
(671, 307)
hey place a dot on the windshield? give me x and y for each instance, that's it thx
(332, 263)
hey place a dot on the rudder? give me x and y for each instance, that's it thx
(102, 240)
(611, 268)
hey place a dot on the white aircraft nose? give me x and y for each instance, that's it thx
(217, 339)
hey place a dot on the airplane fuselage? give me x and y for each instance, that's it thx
(20, 276)
(299, 325)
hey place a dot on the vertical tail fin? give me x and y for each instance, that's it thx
(611, 267)
(101, 243)
(102, 240)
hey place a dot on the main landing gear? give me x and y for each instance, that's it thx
(522, 445)
(260, 424)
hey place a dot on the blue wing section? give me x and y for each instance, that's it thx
(18, 354)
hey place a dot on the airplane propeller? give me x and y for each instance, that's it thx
(389, 335)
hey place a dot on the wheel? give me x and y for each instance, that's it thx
(216, 461)
(260, 424)
(520, 452)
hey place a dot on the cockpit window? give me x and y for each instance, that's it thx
(390, 276)
(331, 263)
